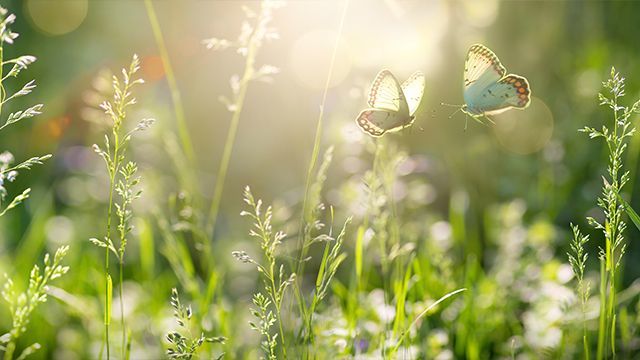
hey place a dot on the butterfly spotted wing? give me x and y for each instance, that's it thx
(386, 93)
(413, 88)
(376, 122)
(487, 91)
(389, 110)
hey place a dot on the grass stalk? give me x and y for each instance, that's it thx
(616, 138)
(122, 180)
(229, 142)
(315, 153)
(274, 278)
(423, 314)
(107, 275)
(183, 130)
(602, 328)
(578, 261)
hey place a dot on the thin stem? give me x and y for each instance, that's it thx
(613, 227)
(422, 314)
(318, 136)
(277, 302)
(2, 89)
(602, 328)
(231, 135)
(312, 164)
(185, 138)
(106, 260)
(113, 173)
(122, 321)
(583, 301)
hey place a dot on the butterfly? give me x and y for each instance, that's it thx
(487, 89)
(392, 106)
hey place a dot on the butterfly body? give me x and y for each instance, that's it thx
(487, 90)
(392, 106)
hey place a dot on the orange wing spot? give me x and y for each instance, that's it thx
(518, 83)
(521, 90)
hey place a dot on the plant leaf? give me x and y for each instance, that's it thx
(629, 210)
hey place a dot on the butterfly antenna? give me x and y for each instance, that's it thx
(455, 112)
(459, 108)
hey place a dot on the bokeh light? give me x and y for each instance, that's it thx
(433, 208)
(57, 17)
(311, 56)
(525, 132)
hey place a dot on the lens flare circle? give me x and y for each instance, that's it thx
(56, 18)
(525, 131)
(311, 58)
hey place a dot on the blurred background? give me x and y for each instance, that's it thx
(516, 185)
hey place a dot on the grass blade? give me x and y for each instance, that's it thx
(107, 312)
(629, 210)
(422, 314)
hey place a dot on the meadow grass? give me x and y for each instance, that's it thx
(255, 31)
(122, 182)
(21, 304)
(185, 346)
(373, 271)
(616, 135)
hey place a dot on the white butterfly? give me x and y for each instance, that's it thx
(392, 106)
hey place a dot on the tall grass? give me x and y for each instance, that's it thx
(186, 346)
(9, 170)
(616, 135)
(369, 291)
(312, 206)
(578, 260)
(183, 130)
(21, 304)
(307, 211)
(315, 231)
(122, 182)
(274, 277)
(256, 30)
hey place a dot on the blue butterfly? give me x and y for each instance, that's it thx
(487, 89)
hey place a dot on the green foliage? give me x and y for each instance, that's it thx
(8, 171)
(578, 261)
(266, 319)
(255, 31)
(616, 136)
(23, 304)
(185, 346)
(430, 243)
(275, 282)
(122, 181)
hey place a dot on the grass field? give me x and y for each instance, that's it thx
(188, 179)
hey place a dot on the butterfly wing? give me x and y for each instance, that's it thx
(487, 91)
(481, 70)
(413, 88)
(376, 122)
(512, 91)
(386, 94)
